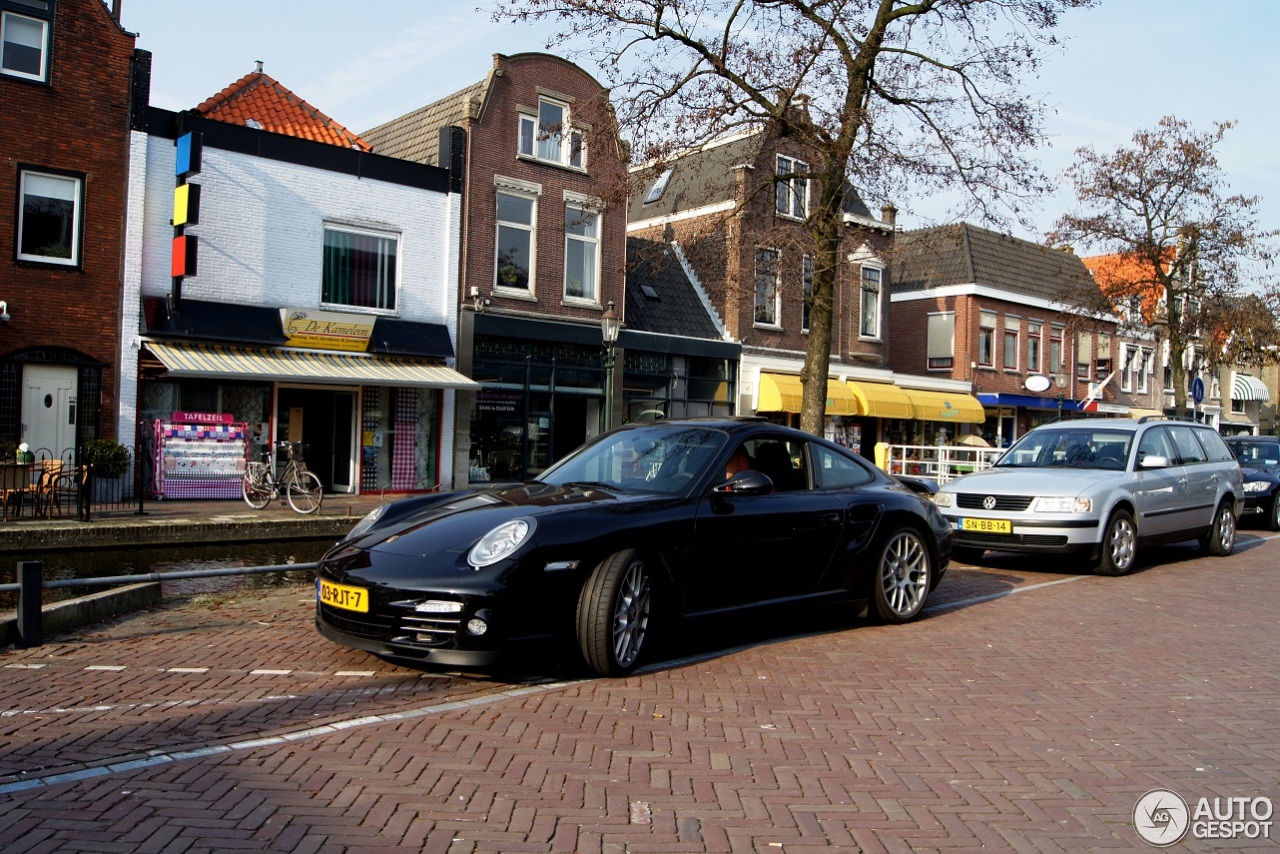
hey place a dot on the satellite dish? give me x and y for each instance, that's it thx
(1037, 383)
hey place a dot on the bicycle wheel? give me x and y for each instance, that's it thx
(305, 492)
(256, 485)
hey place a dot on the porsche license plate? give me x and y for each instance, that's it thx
(342, 596)
(987, 526)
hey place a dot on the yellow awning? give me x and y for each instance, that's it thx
(216, 360)
(1138, 412)
(784, 393)
(881, 400)
(946, 406)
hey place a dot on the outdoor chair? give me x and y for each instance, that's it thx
(49, 471)
(15, 483)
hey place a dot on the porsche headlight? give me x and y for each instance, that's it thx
(500, 543)
(945, 499)
(371, 518)
(1257, 486)
(1058, 504)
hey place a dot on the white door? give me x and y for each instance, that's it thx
(49, 409)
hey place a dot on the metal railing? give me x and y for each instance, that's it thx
(31, 584)
(939, 463)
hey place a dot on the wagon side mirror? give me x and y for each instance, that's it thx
(1154, 461)
(749, 482)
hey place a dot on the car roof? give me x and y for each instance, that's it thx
(1269, 439)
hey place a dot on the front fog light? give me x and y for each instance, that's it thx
(477, 626)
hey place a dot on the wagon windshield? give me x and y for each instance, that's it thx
(645, 459)
(1090, 449)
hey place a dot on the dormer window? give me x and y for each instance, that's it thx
(24, 38)
(549, 138)
(659, 186)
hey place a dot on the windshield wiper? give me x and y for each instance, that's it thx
(595, 484)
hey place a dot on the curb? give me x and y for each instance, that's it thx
(83, 610)
(111, 533)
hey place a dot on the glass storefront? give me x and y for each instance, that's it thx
(663, 385)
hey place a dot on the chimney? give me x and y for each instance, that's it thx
(115, 10)
(889, 215)
(257, 65)
(1070, 250)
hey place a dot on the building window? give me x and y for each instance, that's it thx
(1035, 337)
(1129, 367)
(1055, 348)
(941, 342)
(792, 192)
(767, 287)
(548, 137)
(1103, 364)
(1084, 355)
(659, 186)
(24, 41)
(49, 219)
(869, 316)
(1144, 369)
(806, 284)
(1012, 326)
(359, 268)
(514, 264)
(987, 339)
(581, 252)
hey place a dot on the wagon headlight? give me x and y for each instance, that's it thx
(371, 518)
(1257, 486)
(1059, 504)
(500, 542)
(945, 499)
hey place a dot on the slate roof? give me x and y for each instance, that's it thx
(259, 98)
(707, 176)
(964, 254)
(415, 136)
(660, 297)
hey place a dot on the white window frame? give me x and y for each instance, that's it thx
(1035, 341)
(390, 287)
(659, 185)
(516, 188)
(1144, 371)
(1058, 335)
(1012, 328)
(863, 291)
(77, 217)
(944, 324)
(585, 207)
(759, 271)
(1084, 350)
(570, 142)
(43, 75)
(1129, 368)
(987, 322)
(792, 197)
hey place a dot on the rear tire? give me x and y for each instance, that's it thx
(306, 493)
(1119, 545)
(967, 554)
(614, 610)
(256, 487)
(904, 572)
(1221, 540)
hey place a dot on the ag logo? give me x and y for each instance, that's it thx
(989, 503)
(1161, 817)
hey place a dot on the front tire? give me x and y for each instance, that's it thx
(903, 574)
(255, 486)
(306, 493)
(614, 610)
(1119, 545)
(1222, 535)
(1273, 521)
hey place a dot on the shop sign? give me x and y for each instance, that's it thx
(326, 330)
(203, 417)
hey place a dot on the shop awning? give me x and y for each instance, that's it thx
(784, 393)
(214, 360)
(946, 406)
(881, 400)
(1138, 412)
(1245, 387)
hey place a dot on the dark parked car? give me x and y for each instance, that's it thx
(1259, 458)
(639, 528)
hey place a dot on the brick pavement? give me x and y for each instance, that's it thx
(1027, 722)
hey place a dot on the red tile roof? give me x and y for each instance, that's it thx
(1124, 274)
(260, 99)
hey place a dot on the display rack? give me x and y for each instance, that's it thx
(200, 457)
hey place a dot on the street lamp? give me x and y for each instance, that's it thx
(610, 324)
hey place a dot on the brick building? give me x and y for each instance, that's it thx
(69, 74)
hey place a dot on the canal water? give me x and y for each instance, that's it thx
(99, 563)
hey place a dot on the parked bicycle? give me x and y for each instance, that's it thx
(301, 488)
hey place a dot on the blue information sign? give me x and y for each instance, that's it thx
(1197, 390)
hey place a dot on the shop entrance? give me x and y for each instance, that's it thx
(49, 408)
(324, 420)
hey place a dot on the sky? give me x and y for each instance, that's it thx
(1123, 66)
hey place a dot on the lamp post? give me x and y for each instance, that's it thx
(610, 325)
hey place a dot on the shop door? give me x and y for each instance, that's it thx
(569, 429)
(324, 421)
(49, 409)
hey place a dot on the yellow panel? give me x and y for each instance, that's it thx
(881, 400)
(1138, 412)
(841, 400)
(946, 406)
(784, 393)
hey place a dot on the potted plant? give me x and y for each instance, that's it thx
(108, 461)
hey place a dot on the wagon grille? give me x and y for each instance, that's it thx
(1005, 503)
(996, 541)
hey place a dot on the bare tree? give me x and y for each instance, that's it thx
(923, 95)
(1162, 206)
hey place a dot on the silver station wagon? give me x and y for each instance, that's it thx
(1099, 488)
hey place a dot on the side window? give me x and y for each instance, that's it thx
(1189, 450)
(782, 460)
(1214, 446)
(1155, 443)
(832, 470)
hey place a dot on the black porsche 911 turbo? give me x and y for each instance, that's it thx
(647, 523)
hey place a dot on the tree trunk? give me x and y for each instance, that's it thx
(826, 231)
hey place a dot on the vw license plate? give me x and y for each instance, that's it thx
(987, 526)
(342, 596)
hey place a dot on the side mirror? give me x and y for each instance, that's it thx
(919, 486)
(1154, 461)
(749, 482)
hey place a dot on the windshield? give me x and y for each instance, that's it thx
(1256, 453)
(645, 459)
(1060, 448)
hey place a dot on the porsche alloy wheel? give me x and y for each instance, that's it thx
(902, 577)
(614, 613)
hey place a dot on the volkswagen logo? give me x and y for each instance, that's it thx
(989, 503)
